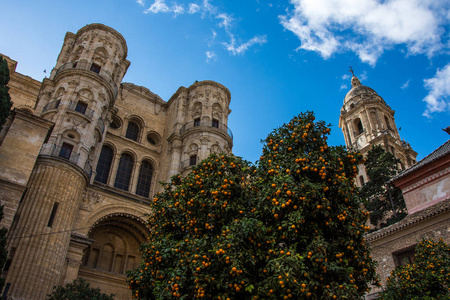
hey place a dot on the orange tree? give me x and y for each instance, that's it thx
(427, 278)
(290, 228)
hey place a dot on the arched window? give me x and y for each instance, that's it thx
(145, 179)
(132, 131)
(104, 164)
(358, 127)
(124, 171)
(387, 122)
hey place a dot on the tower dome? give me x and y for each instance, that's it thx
(359, 92)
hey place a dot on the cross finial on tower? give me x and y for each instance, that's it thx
(351, 70)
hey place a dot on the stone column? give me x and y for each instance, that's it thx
(41, 245)
(78, 244)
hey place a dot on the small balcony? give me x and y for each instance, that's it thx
(81, 108)
(51, 105)
(210, 124)
(61, 152)
(189, 163)
(101, 125)
(65, 152)
(92, 68)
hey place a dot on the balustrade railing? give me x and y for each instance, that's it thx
(89, 67)
(61, 152)
(101, 125)
(51, 105)
(190, 162)
(73, 106)
(211, 124)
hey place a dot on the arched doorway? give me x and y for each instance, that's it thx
(114, 251)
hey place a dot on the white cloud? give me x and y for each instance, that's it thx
(193, 8)
(345, 76)
(157, 7)
(405, 85)
(225, 21)
(178, 9)
(240, 49)
(210, 56)
(368, 27)
(140, 2)
(343, 87)
(438, 88)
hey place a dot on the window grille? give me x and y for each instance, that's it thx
(104, 164)
(145, 179)
(124, 171)
(66, 151)
(132, 131)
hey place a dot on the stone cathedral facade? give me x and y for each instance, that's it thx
(81, 157)
(366, 120)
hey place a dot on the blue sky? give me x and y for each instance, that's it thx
(278, 58)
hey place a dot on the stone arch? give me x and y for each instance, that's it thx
(85, 95)
(115, 249)
(149, 159)
(77, 53)
(100, 55)
(192, 148)
(217, 112)
(59, 93)
(72, 134)
(196, 110)
(358, 126)
(130, 152)
(215, 149)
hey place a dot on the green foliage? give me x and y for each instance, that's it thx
(5, 99)
(292, 227)
(381, 198)
(79, 289)
(427, 278)
(3, 252)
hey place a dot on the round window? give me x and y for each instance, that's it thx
(153, 138)
(116, 123)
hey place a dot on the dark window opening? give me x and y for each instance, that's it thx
(360, 127)
(145, 179)
(404, 257)
(197, 122)
(124, 171)
(66, 151)
(193, 160)
(215, 123)
(132, 131)
(104, 164)
(96, 68)
(115, 124)
(75, 64)
(81, 107)
(151, 140)
(53, 214)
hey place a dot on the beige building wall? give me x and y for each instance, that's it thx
(86, 225)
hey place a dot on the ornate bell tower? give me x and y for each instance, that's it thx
(78, 99)
(366, 120)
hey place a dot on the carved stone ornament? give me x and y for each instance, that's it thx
(193, 147)
(197, 109)
(176, 144)
(90, 199)
(217, 96)
(204, 139)
(215, 149)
